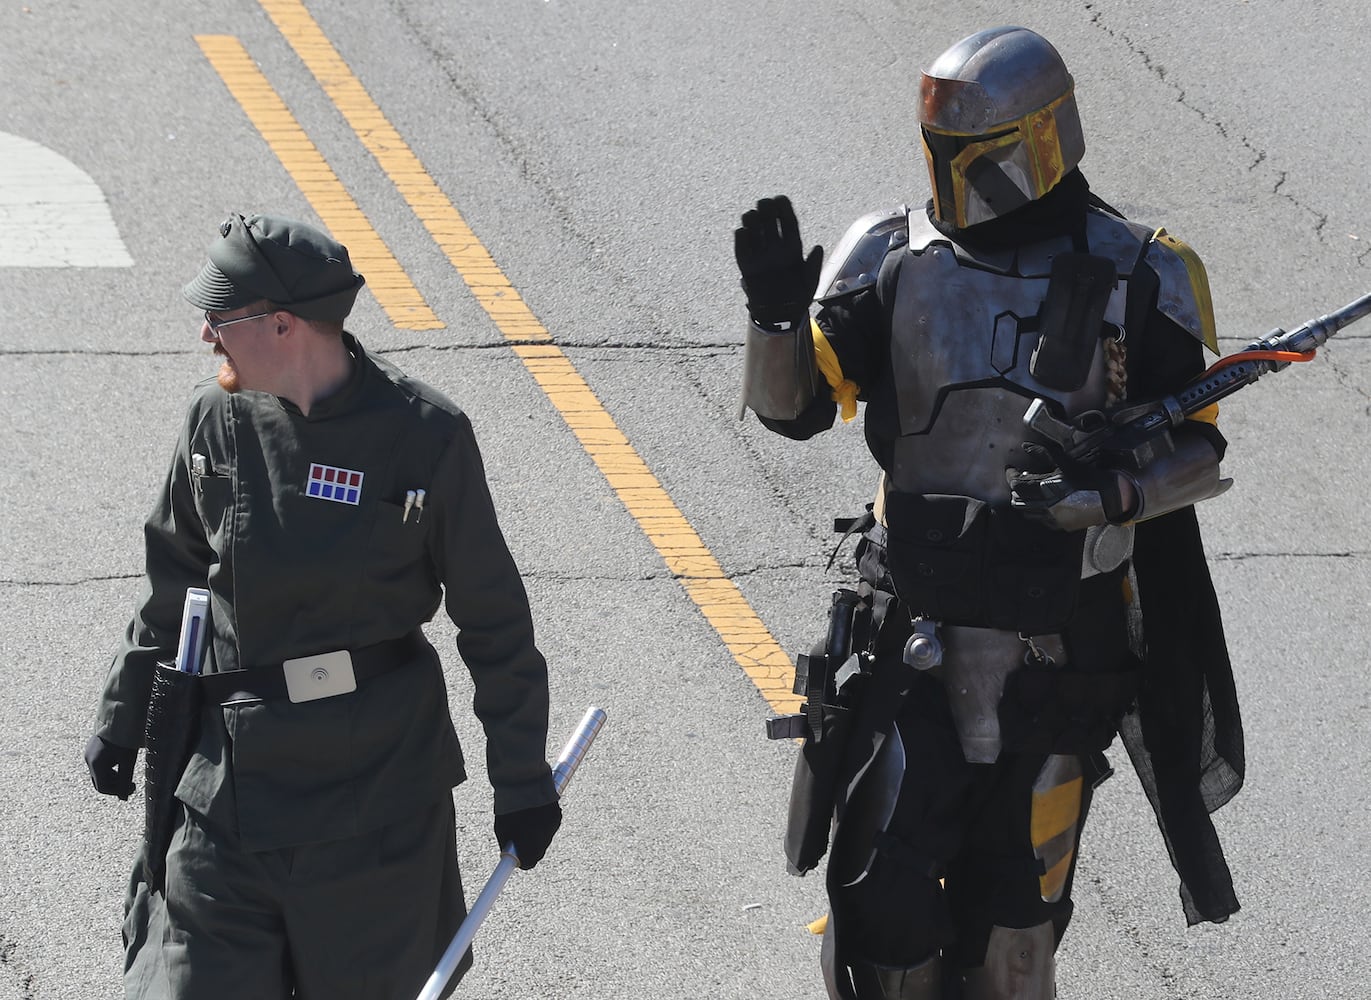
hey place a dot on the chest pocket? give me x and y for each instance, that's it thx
(397, 542)
(214, 501)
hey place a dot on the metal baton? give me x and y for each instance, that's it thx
(567, 763)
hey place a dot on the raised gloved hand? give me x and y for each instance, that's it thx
(778, 279)
(111, 766)
(530, 830)
(1070, 496)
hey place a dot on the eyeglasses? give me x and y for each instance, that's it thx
(216, 325)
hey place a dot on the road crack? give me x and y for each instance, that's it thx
(1259, 157)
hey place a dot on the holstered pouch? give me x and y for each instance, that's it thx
(172, 729)
(1071, 319)
(814, 790)
(963, 562)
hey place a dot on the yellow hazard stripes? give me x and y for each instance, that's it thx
(386, 279)
(679, 545)
(1056, 812)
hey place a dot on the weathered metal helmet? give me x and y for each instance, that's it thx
(1000, 127)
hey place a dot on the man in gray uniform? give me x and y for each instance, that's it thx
(329, 504)
(1017, 608)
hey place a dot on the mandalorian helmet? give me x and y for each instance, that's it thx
(1000, 126)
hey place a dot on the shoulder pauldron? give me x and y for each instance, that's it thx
(1184, 293)
(856, 260)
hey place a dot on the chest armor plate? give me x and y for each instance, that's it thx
(964, 328)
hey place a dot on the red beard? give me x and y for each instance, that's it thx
(228, 375)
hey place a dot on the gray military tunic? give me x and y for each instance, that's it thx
(295, 525)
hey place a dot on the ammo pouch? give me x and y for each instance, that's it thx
(961, 561)
(1075, 707)
(173, 727)
(1059, 709)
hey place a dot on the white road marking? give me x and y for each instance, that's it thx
(51, 213)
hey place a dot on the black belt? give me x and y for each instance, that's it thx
(269, 682)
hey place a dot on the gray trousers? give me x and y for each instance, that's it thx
(364, 918)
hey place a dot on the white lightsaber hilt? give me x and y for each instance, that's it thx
(570, 759)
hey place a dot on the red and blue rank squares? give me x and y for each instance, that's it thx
(328, 482)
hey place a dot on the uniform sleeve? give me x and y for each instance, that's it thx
(177, 556)
(486, 600)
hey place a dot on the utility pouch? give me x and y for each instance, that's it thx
(1075, 707)
(173, 727)
(958, 560)
(1071, 319)
(936, 547)
(1032, 574)
(1060, 709)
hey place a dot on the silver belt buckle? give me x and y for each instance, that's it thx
(324, 675)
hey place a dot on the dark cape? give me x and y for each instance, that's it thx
(1184, 734)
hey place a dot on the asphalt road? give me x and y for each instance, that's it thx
(600, 152)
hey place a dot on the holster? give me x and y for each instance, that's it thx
(173, 727)
(829, 677)
(814, 791)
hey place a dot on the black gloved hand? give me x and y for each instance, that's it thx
(1069, 495)
(779, 280)
(530, 830)
(111, 766)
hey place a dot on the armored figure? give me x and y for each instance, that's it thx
(1017, 608)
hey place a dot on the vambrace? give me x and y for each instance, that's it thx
(780, 373)
(1184, 475)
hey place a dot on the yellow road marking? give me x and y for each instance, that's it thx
(434, 209)
(720, 600)
(685, 554)
(385, 277)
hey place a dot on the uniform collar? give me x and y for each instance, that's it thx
(346, 397)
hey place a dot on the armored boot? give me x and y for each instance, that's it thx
(882, 982)
(1019, 965)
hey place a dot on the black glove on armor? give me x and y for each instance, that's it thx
(1036, 493)
(779, 280)
(111, 767)
(530, 830)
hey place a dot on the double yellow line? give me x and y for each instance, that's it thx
(680, 547)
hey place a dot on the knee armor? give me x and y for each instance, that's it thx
(1019, 965)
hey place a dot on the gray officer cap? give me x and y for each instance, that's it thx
(291, 264)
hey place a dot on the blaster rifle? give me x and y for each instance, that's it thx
(1129, 434)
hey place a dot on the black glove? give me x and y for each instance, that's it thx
(111, 766)
(530, 830)
(779, 280)
(1070, 495)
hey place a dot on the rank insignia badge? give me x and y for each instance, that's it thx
(328, 482)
